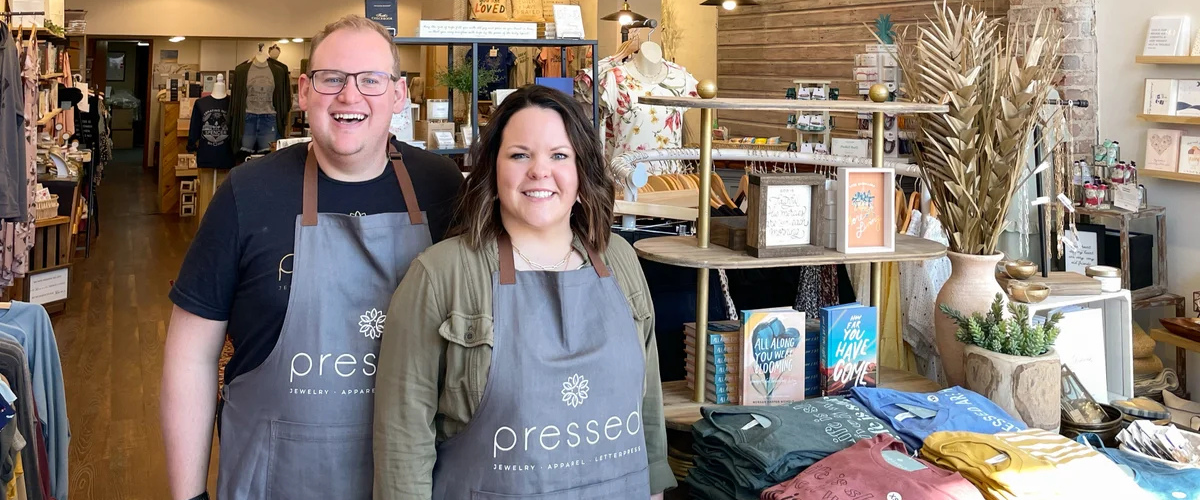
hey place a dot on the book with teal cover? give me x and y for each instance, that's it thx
(849, 348)
(772, 356)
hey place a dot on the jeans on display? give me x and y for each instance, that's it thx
(259, 133)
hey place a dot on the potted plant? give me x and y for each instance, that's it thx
(458, 80)
(1012, 362)
(995, 80)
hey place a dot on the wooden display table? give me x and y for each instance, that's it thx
(681, 412)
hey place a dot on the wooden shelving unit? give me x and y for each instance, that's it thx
(1178, 120)
(1174, 176)
(1180, 60)
(695, 252)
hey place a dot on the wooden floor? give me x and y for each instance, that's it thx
(111, 339)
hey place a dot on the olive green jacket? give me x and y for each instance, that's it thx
(436, 351)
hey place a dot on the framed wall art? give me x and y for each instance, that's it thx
(779, 214)
(865, 210)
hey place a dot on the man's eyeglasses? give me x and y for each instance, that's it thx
(331, 81)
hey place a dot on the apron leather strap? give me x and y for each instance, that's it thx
(309, 213)
(508, 268)
(406, 185)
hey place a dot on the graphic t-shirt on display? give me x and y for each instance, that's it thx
(637, 127)
(260, 90)
(208, 134)
(915, 415)
(550, 60)
(499, 59)
(878, 467)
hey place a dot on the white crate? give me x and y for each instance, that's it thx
(1117, 336)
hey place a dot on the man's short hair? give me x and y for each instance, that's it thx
(358, 23)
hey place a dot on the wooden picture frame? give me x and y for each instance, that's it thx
(780, 212)
(1097, 231)
(866, 212)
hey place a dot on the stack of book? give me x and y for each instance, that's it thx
(723, 369)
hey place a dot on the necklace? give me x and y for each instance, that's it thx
(539, 267)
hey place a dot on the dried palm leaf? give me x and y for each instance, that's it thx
(994, 80)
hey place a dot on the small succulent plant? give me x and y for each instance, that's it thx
(1013, 335)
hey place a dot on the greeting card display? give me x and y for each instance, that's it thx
(849, 348)
(865, 210)
(1167, 36)
(1162, 149)
(1160, 96)
(773, 360)
(1187, 99)
(1189, 155)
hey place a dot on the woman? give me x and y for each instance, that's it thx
(526, 361)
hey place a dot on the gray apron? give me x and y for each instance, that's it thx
(560, 416)
(299, 425)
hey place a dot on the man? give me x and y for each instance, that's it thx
(302, 296)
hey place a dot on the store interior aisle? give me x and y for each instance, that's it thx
(111, 339)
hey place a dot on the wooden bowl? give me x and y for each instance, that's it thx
(1020, 269)
(1188, 328)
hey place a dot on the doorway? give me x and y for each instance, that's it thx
(120, 68)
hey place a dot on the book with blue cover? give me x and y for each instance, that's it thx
(849, 348)
(773, 369)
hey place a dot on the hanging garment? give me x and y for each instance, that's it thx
(1030, 465)
(497, 59)
(920, 283)
(638, 127)
(15, 368)
(915, 416)
(808, 292)
(553, 64)
(30, 326)
(583, 88)
(569, 339)
(13, 172)
(299, 425)
(878, 467)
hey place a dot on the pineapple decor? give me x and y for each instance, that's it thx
(884, 29)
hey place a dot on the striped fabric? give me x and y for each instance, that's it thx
(1030, 464)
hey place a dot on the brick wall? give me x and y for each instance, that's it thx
(1079, 73)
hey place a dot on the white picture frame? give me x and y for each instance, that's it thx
(881, 212)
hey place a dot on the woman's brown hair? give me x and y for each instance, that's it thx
(479, 207)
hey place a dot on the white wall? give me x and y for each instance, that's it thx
(1120, 32)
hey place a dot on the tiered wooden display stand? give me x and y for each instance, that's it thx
(682, 408)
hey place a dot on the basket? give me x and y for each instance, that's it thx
(46, 209)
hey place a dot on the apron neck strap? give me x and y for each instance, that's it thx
(508, 268)
(309, 214)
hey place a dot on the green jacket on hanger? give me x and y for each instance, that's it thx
(282, 101)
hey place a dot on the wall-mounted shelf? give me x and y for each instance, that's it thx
(1174, 176)
(1178, 120)
(1168, 60)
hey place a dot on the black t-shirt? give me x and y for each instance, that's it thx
(238, 268)
(208, 133)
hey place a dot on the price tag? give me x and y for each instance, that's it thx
(1127, 197)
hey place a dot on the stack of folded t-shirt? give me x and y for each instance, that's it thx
(915, 416)
(742, 450)
(1032, 464)
(875, 468)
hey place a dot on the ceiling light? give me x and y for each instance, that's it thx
(283, 41)
(729, 4)
(298, 40)
(176, 39)
(624, 16)
(143, 44)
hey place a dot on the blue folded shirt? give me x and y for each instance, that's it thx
(915, 416)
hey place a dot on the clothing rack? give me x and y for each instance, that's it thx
(1039, 186)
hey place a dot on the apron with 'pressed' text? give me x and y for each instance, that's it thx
(299, 425)
(560, 416)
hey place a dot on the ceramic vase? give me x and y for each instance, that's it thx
(1027, 387)
(971, 288)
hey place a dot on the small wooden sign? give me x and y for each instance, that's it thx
(866, 210)
(779, 220)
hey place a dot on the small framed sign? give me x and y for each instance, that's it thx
(568, 21)
(779, 220)
(49, 286)
(439, 110)
(866, 210)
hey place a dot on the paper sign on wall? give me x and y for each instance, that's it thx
(48, 287)
(477, 29)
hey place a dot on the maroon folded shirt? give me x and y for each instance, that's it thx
(862, 471)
